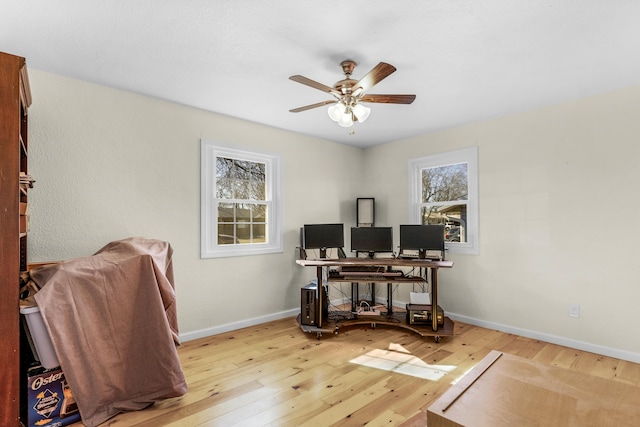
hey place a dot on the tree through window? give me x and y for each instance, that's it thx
(444, 191)
(240, 202)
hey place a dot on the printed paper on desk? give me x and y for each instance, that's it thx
(420, 298)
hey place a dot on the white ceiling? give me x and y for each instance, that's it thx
(465, 60)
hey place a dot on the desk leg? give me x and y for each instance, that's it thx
(434, 298)
(373, 294)
(355, 294)
(319, 294)
(389, 299)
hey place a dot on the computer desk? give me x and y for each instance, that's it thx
(430, 267)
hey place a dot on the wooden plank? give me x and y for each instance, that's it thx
(511, 390)
(467, 381)
(10, 250)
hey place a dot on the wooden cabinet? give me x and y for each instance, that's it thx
(15, 99)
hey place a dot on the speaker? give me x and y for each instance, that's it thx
(308, 305)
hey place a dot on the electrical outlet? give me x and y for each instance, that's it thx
(574, 310)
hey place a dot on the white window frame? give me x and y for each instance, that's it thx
(465, 155)
(209, 247)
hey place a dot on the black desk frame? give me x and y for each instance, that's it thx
(430, 268)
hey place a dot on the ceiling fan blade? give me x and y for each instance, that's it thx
(314, 84)
(373, 77)
(389, 99)
(309, 107)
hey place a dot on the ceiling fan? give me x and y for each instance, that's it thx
(346, 108)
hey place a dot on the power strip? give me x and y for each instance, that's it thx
(368, 313)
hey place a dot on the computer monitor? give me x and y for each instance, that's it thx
(323, 237)
(422, 238)
(371, 239)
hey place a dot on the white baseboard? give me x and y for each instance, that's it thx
(553, 339)
(188, 336)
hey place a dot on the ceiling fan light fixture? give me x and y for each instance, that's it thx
(346, 120)
(361, 112)
(335, 111)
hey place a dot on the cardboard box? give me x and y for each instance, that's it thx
(50, 402)
(24, 224)
(24, 218)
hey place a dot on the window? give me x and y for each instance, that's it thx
(240, 202)
(444, 190)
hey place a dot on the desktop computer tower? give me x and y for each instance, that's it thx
(308, 305)
(308, 313)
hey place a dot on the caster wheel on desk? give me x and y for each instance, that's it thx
(436, 339)
(318, 335)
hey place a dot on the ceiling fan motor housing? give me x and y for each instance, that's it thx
(347, 66)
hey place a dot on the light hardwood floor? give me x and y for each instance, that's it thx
(275, 375)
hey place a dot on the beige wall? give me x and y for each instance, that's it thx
(557, 207)
(110, 164)
(558, 212)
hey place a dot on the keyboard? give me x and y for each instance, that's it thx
(377, 273)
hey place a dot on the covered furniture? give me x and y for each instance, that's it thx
(112, 321)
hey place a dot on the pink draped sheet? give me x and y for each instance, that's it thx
(113, 323)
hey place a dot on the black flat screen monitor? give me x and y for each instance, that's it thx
(371, 239)
(322, 236)
(422, 238)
